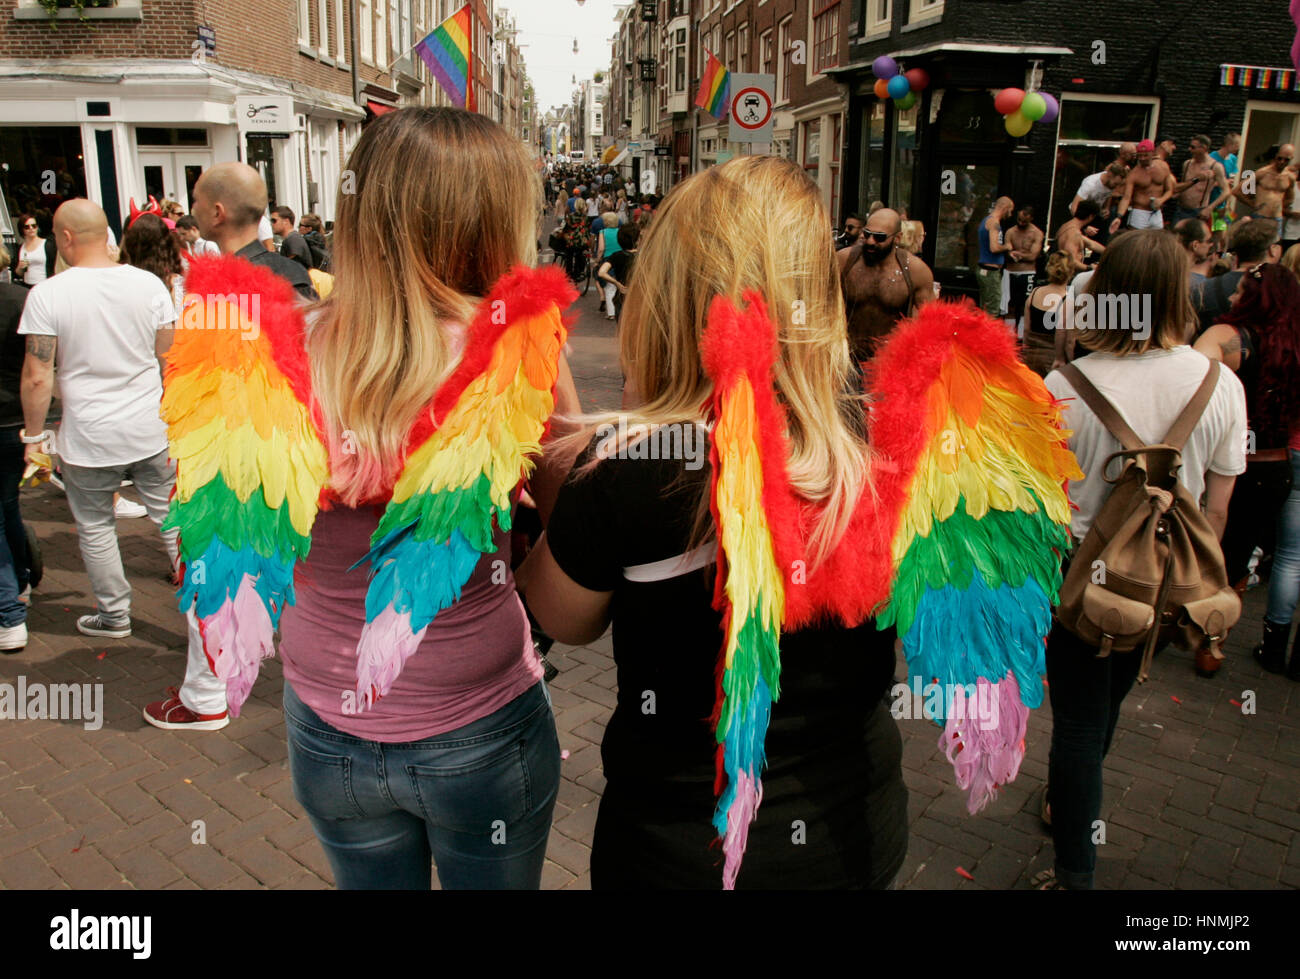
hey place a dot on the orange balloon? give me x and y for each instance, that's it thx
(882, 88)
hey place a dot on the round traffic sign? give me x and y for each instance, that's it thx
(751, 108)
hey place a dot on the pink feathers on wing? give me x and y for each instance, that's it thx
(984, 738)
(385, 645)
(749, 795)
(236, 638)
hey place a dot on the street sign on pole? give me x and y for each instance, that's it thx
(751, 108)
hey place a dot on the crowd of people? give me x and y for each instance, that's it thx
(468, 760)
(600, 219)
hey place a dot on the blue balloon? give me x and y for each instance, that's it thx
(899, 86)
(884, 67)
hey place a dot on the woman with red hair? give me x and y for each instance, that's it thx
(1259, 338)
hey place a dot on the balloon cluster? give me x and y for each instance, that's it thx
(1022, 109)
(899, 86)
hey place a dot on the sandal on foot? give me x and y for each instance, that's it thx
(1045, 880)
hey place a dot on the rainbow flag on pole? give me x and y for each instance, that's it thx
(449, 53)
(715, 88)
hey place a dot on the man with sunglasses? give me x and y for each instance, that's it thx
(1274, 188)
(882, 283)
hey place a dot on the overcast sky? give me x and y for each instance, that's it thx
(548, 27)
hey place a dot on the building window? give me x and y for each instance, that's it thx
(1090, 131)
(323, 27)
(729, 60)
(340, 50)
(765, 50)
(742, 44)
(304, 22)
(924, 10)
(837, 134)
(826, 36)
(812, 146)
(381, 33)
(785, 69)
(366, 22)
(879, 15)
(679, 61)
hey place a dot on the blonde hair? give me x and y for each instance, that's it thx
(609, 219)
(686, 263)
(1291, 260)
(378, 350)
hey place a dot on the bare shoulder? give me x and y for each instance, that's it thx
(842, 256)
(920, 272)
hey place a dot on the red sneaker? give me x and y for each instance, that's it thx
(172, 715)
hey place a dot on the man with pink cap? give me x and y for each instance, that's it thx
(1150, 184)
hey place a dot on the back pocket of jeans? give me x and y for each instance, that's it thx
(322, 783)
(477, 797)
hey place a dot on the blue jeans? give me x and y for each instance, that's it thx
(13, 542)
(1284, 586)
(478, 800)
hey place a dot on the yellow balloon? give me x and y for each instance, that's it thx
(1017, 125)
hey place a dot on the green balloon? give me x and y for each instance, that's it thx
(1017, 125)
(1034, 107)
(906, 102)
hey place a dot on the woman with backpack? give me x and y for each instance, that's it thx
(1259, 339)
(1141, 364)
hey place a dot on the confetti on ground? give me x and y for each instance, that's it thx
(564, 754)
(1174, 699)
(1235, 702)
(80, 845)
(189, 781)
(965, 873)
(102, 655)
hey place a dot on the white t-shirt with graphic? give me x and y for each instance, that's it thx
(1150, 390)
(106, 321)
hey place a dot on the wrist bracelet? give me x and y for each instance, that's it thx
(33, 439)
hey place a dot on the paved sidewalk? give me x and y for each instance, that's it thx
(1198, 794)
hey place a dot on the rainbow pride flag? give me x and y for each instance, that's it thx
(715, 88)
(449, 52)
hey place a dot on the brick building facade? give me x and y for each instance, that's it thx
(1121, 71)
(141, 96)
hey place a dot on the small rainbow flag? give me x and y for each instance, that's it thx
(449, 52)
(715, 88)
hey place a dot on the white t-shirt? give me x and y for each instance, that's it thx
(1149, 391)
(106, 321)
(1092, 189)
(264, 229)
(203, 247)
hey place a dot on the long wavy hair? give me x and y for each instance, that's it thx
(1269, 306)
(435, 205)
(684, 263)
(150, 245)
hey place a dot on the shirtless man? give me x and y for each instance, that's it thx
(1026, 241)
(875, 274)
(1127, 154)
(1274, 188)
(1073, 236)
(1149, 185)
(1201, 175)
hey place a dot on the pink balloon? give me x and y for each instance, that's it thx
(1053, 108)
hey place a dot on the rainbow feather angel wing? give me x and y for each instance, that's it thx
(466, 459)
(978, 444)
(750, 489)
(250, 463)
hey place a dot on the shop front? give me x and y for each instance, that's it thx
(118, 133)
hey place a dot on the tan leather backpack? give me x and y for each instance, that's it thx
(1150, 570)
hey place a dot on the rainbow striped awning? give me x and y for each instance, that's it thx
(1259, 77)
(449, 53)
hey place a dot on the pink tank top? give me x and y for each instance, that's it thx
(476, 656)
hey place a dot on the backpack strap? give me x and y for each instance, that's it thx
(1103, 409)
(1183, 425)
